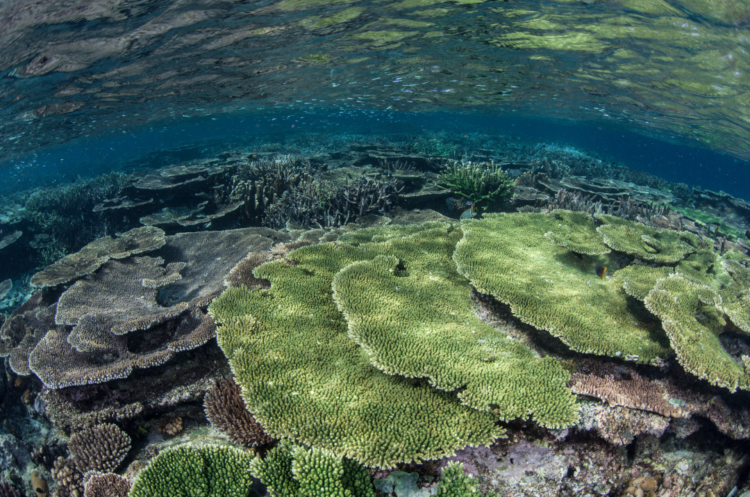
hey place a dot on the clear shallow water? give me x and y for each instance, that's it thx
(93, 87)
(670, 70)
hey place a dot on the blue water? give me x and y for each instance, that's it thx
(201, 137)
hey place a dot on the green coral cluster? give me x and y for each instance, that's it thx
(306, 367)
(291, 471)
(543, 267)
(515, 258)
(357, 339)
(482, 183)
(210, 471)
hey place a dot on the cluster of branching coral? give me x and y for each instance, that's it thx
(625, 207)
(322, 204)
(482, 183)
(65, 214)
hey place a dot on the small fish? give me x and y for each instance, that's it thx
(469, 213)
(601, 271)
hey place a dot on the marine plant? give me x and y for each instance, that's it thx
(483, 184)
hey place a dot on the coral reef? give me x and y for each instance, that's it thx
(226, 412)
(211, 471)
(8, 490)
(556, 289)
(429, 309)
(100, 448)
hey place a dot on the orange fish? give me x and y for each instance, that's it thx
(601, 271)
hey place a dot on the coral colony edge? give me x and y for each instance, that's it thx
(395, 316)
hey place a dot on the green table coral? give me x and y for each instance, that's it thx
(547, 286)
(210, 471)
(419, 323)
(303, 378)
(691, 316)
(647, 243)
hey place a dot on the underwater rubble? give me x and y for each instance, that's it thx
(300, 315)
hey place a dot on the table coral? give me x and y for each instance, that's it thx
(691, 316)
(427, 307)
(305, 379)
(555, 289)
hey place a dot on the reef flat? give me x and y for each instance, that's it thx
(393, 316)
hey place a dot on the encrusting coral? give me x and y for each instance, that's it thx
(340, 403)
(209, 471)
(226, 412)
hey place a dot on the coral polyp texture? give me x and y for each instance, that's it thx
(647, 243)
(394, 311)
(556, 289)
(305, 379)
(185, 471)
(692, 317)
(226, 412)
(290, 470)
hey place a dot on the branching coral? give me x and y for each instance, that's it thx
(209, 471)
(290, 470)
(226, 412)
(483, 184)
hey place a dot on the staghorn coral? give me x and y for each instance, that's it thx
(482, 184)
(92, 256)
(323, 204)
(331, 405)
(105, 485)
(549, 287)
(226, 412)
(209, 471)
(691, 317)
(393, 312)
(99, 448)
